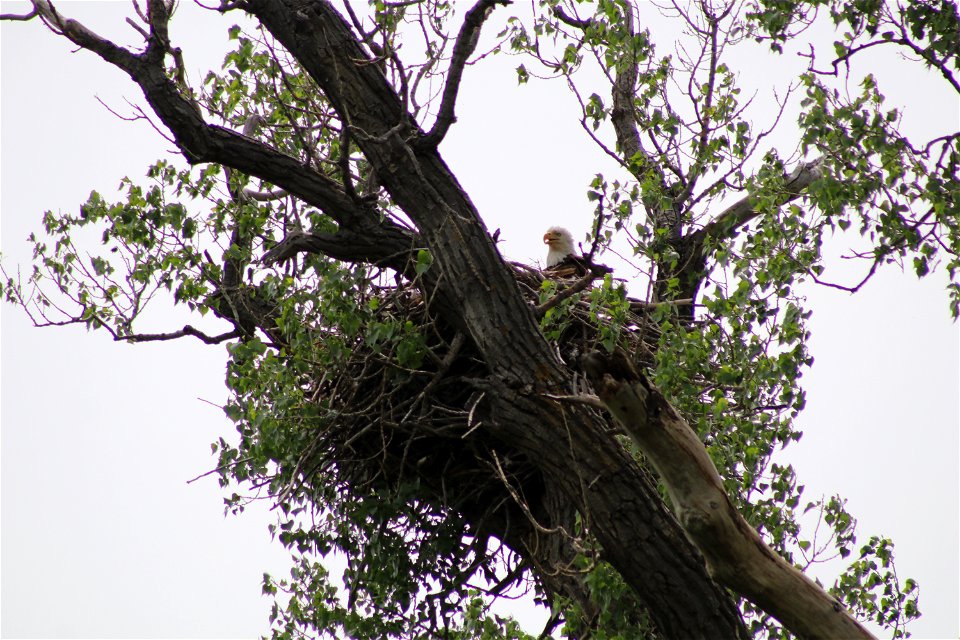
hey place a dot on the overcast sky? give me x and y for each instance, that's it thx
(103, 537)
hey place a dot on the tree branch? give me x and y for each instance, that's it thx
(465, 45)
(186, 331)
(569, 292)
(569, 20)
(202, 142)
(743, 211)
(380, 249)
(735, 553)
(16, 16)
(84, 37)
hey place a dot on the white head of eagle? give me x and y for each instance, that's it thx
(560, 245)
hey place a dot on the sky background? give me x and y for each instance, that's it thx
(100, 534)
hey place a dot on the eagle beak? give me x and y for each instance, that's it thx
(547, 238)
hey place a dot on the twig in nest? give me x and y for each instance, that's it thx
(584, 398)
(470, 417)
(520, 503)
(570, 291)
(445, 365)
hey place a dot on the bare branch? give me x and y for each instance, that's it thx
(265, 196)
(389, 248)
(138, 29)
(465, 45)
(584, 398)
(569, 20)
(905, 42)
(15, 16)
(736, 554)
(83, 37)
(186, 331)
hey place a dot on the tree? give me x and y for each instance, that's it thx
(392, 374)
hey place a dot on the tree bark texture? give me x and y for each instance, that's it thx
(638, 536)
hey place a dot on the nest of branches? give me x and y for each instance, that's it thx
(396, 424)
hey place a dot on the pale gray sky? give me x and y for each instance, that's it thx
(101, 535)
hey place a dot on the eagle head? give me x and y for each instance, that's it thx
(560, 245)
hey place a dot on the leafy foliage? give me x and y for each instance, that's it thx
(333, 357)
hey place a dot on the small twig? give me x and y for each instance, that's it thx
(856, 287)
(601, 219)
(470, 417)
(588, 399)
(570, 291)
(138, 28)
(220, 468)
(445, 365)
(115, 113)
(520, 503)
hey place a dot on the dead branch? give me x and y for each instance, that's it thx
(734, 551)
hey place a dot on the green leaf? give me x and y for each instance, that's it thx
(424, 260)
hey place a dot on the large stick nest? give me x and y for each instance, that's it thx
(396, 424)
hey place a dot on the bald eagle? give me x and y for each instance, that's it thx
(562, 262)
(560, 243)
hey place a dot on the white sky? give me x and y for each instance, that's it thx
(101, 535)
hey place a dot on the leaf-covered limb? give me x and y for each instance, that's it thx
(728, 221)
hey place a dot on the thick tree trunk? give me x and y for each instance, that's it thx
(639, 537)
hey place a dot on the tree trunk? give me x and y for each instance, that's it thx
(639, 537)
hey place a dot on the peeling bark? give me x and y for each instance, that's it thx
(735, 553)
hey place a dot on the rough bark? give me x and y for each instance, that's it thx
(638, 536)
